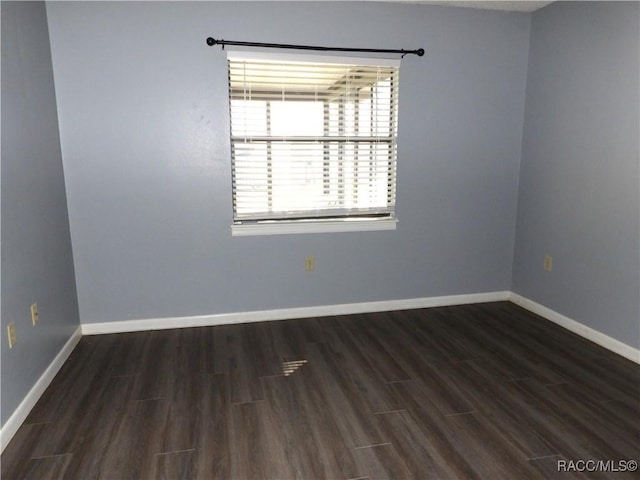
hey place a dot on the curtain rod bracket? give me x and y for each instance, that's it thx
(212, 41)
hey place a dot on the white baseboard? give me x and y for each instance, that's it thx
(589, 333)
(365, 307)
(289, 313)
(14, 422)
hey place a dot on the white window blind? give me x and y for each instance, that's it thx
(312, 138)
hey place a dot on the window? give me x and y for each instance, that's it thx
(313, 142)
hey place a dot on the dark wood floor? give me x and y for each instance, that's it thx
(471, 392)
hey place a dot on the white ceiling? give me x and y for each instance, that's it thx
(512, 6)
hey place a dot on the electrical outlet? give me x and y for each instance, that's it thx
(548, 263)
(34, 314)
(11, 332)
(310, 264)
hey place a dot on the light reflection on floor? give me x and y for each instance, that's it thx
(290, 367)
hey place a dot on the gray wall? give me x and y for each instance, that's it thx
(144, 126)
(579, 183)
(37, 264)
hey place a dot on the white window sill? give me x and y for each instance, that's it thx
(316, 226)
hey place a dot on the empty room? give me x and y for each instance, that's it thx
(320, 240)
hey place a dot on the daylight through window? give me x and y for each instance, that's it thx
(312, 139)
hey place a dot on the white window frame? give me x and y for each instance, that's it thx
(316, 225)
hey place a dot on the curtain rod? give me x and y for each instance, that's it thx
(212, 41)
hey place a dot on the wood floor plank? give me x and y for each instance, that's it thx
(131, 452)
(352, 418)
(573, 441)
(597, 416)
(84, 373)
(359, 371)
(175, 466)
(333, 451)
(493, 457)
(579, 360)
(382, 362)
(41, 468)
(257, 442)
(618, 412)
(156, 366)
(498, 349)
(440, 391)
(183, 412)
(295, 428)
(425, 326)
(421, 448)
(381, 462)
(244, 372)
(597, 438)
(127, 353)
(92, 437)
(20, 450)
(214, 446)
(505, 407)
(87, 413)
(210, 345)
(289, 338)
(264, 346)
(430, 427)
